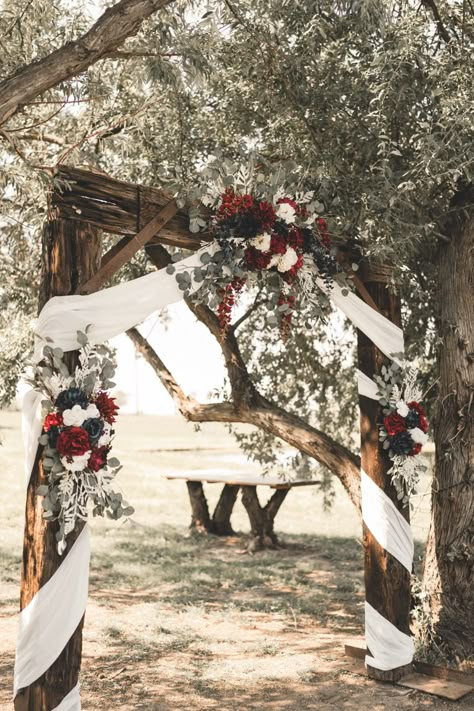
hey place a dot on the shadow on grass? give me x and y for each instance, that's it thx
(312, 575)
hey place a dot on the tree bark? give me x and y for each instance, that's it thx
(449, 560)
(221, 525)
(200, 518)
(387, 582)
(71, 254)
(108, 34)
(262, 518)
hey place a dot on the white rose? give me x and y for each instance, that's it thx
(418, 435)
(105, 437)
(273, 261)
(78, 463)
(286, 212)
(75, 416)
(92, 411)
(402, 408)
(261, 242)
(287, 260)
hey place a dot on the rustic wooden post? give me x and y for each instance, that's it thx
(387, 582)
(71, 255)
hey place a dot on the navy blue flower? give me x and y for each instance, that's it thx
(70, 397)
(412, 419)
(402, 443)
(94, 427)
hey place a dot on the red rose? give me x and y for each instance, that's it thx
(394, 424)
(98, 458)
(277, 244)
(255, 259)
(72, 442)
(422, 421)
(247, 200)
(107, 407)
(416, 449)
(54, 419)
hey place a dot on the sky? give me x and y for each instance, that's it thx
(188, 351)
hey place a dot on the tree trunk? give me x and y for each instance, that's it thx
(200, 518)
(262, 518)
(71, 254)
(221, 524)
(449, 561)
(387, 582)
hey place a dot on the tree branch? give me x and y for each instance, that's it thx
(109, 32)
(442, 31)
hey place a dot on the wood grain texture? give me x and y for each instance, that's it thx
(449, 561)
(71, 253)
(387, 582)
(119, 207)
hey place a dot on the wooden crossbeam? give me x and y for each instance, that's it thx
(122, 252)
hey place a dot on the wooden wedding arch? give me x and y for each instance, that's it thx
(85, 205)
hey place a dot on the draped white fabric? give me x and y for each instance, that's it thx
(48, 622)
(386, 335)
(385, 522)
(366, 386)
(389, 647)
(71, 702)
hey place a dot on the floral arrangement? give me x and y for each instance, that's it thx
(77, 437)
(263, 235)
(403, 431)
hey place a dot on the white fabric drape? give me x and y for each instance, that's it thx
(385, 522)
(48, 622)
(389, 648)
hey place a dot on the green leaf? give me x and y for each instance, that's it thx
(113, 462)
(82, 339)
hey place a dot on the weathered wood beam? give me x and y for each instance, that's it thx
(118, 207)
(111, 264)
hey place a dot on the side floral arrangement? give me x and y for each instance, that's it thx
(78, 430)
(403, 431)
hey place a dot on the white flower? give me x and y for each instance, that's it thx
(286, 212)
(261, 242)
(105, 437)
(92, 411)
(78, 463)
(75, 416)
(273, 261)
(287, 260)
(418, 435)
(402, 408)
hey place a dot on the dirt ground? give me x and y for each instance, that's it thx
(189, 622)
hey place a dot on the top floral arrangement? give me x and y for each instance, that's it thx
(263, 237)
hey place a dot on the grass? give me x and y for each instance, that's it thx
(179, 620)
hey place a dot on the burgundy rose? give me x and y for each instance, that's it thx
(265, 212)
(98, 458)
(73, 442)
(107, 407)
(394, 424)
(422, 422)
(277, 244)
(255, 259)
(416, 449)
